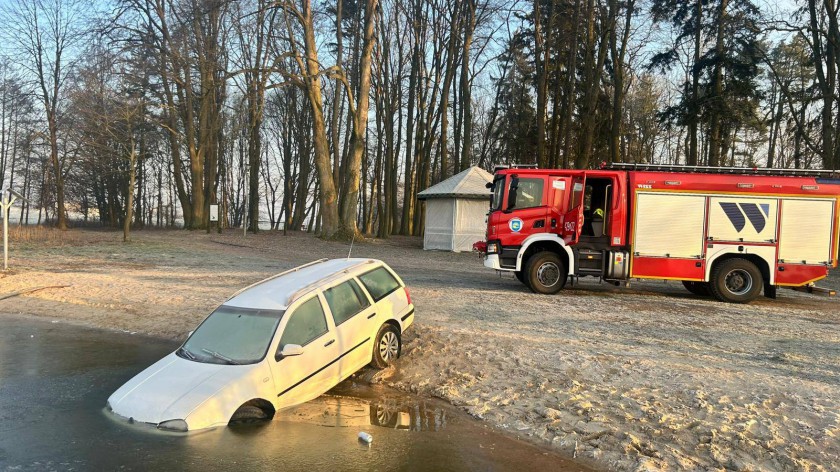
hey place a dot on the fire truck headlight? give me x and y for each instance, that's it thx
(492, 248)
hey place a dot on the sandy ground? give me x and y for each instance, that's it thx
(645, 378)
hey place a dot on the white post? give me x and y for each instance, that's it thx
(6, 200)
(5, 207)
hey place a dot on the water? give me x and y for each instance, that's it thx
(55, 378)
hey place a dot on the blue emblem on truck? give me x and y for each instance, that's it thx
(515, 225)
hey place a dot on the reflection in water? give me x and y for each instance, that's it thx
(344, 412)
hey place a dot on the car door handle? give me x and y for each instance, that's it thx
(371, 315)
(329, 342)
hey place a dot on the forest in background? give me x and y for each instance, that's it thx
(332, 116)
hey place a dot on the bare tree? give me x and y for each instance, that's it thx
(47, 34)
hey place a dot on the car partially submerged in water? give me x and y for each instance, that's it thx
(278, 343)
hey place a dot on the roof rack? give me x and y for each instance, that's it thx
(294, 269)
(721, 170)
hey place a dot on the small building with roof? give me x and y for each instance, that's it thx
(456, 210)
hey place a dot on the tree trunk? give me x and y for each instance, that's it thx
(351, 201)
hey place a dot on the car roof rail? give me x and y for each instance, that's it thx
(308, 288)
(294, 269)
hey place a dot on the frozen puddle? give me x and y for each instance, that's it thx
(55, 378)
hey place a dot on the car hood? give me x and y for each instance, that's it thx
(172, 388)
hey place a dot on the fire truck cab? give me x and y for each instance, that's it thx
(723, 232)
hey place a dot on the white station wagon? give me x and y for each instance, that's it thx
(278, 343)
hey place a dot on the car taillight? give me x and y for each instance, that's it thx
(407, 295)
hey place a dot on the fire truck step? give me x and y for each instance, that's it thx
(827, 292)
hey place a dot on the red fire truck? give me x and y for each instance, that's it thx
(723, 232)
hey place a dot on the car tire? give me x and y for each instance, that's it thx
(736, 281)
(386, 347)
(698, 288)
(247, 413)
(545, 273)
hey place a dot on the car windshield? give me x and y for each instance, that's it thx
(232, 335)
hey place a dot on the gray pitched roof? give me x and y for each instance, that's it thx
(470, 183)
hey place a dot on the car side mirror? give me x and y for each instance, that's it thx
(289, 350)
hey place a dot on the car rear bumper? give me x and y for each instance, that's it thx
(407, 317)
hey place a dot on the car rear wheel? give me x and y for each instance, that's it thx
(545, 273)
(736, 281)
(387, 347)
(697, 288)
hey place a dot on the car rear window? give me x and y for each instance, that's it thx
(345, 300)
(379, 282)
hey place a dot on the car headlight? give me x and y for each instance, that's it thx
(492, 248)
(174, 425)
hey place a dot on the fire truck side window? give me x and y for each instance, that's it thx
(529, 193)
(577, 194)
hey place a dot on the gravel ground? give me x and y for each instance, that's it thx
(641, 378)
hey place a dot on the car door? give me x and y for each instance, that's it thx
(300, 378)
(354, 316)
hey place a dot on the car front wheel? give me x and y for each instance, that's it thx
(387, 347)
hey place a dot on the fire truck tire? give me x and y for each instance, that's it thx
(698, 288)
(545, 273)
(520, 276)
(736, 281)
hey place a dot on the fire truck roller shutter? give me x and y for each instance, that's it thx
(806, 230)
(669, 224)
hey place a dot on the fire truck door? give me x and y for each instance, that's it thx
(573, 219)
(526, 208)
(559, 190)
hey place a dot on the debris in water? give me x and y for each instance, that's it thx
(365, 437)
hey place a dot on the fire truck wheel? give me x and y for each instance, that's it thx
(545, 273)
(736, 281)
(520, 276)
(698, 288)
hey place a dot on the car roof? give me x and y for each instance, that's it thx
(279, 291)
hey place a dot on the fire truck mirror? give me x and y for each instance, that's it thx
(514, 185)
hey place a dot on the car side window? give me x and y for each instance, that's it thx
(307, 323)
(379, 283)
(345, 301)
